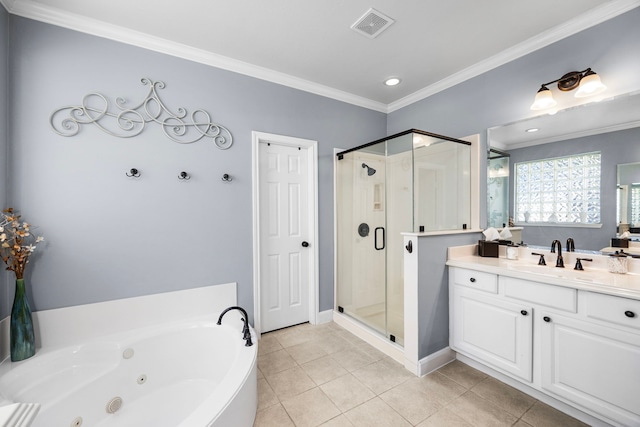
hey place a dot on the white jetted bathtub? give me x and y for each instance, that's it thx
(187, 373)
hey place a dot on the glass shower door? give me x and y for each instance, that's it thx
(399, 219)
(362, 236)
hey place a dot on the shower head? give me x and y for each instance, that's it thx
(370, 170)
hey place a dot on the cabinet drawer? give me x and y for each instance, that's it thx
(541, 293)
(622, 311)
(476, 279)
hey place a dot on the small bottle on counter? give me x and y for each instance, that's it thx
(618, 262)
(512, 251)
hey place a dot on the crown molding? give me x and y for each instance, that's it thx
(33, 10)
(8, 4)
(582, 22)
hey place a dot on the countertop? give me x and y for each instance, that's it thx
(595, 277)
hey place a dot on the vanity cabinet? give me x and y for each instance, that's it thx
(493, 330)
(593, 365)
(581, 347)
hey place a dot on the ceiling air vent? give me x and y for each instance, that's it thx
(372, 23)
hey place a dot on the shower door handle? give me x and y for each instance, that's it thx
(384, 239)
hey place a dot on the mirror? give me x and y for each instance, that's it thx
(628, 199)
(611, 127)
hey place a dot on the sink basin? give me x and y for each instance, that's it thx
(566, 273)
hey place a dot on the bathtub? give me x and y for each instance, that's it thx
(188, 373)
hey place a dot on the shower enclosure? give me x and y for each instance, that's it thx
(497, 188)
(414, 181)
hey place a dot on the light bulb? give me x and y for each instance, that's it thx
(590, 85)
(544, 99)
(392, 81)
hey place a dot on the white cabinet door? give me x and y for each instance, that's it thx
(595, 366)
(493, 331)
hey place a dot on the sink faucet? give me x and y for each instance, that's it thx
(246, 333)
(559, 261)
(571, 247)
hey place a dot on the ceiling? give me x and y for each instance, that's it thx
(432, 44)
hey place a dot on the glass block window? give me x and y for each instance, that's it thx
(559, 190)
(635, 205)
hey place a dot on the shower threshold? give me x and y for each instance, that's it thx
(370, 336)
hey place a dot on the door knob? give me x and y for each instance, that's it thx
(305, 244)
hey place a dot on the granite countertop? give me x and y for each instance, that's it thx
(595, 277)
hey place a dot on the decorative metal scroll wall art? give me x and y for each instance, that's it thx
(131, 121)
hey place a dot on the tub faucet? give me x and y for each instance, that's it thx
(571, 247)
(559, 261)
(246, 333)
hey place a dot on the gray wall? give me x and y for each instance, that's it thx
(108, 236)
(5, 298)
(433, 290)
(504, 94)
(615, 148)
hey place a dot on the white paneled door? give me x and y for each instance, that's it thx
(285, 233)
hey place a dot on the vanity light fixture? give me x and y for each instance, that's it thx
(392, 81)
(587, 82)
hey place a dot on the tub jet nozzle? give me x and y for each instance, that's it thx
(114, 405)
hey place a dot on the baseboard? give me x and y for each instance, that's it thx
(324, 317)
(4, 338)
(435, 361)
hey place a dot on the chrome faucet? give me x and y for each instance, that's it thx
(246, 333)
(571, 247)
(559, 261)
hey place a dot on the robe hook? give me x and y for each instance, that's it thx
(184, 176)
(227, 178)
(133, 173)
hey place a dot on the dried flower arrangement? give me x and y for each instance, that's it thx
(16, 242)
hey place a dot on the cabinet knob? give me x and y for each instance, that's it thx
(523, 312)
(630, 314)
(472, 280)
(546, 319)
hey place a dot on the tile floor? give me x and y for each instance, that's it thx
(325, 376)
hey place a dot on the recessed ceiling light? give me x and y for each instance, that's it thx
(392, 81)
(532, 130)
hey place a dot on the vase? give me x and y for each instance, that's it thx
(21, 336)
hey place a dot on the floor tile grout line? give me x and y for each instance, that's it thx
(334, 332)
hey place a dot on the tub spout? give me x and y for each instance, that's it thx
(246, 333)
